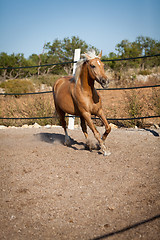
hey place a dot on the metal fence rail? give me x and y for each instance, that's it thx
(110, 119)
(99, 89)
(107, 60)
(62, 63)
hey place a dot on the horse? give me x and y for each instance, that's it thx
(76, 95)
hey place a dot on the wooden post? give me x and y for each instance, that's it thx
(77, 53)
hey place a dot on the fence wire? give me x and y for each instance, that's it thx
(107, 60)
(62, 63)
(109, 119)
(99, 89)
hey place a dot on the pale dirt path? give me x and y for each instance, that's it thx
(49, 191)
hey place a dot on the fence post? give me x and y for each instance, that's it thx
(76, 58)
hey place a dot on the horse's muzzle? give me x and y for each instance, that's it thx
(104, 83)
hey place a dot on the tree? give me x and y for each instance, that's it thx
(141, 46)
(63, 50)
(148, 46)
(128, 49)
(13, 60)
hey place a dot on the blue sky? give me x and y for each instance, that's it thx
(25, 25)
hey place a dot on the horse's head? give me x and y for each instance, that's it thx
(96, 69)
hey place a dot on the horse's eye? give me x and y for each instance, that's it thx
(92, 66)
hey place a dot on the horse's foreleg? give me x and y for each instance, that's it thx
(107, 126)
(88, 119)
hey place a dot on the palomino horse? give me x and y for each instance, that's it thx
(77, 96)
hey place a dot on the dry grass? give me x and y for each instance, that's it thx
(132, 103)
(116, 104)
(27, 107)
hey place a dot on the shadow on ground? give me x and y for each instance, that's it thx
(127, 228)
(59, 138)
(156, 134)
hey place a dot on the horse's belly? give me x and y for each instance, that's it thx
(66, 104)
(64, 99)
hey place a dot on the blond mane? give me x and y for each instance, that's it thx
(86, 56)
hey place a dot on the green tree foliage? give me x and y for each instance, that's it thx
(63, 51)
(140, 47)
(13, 60)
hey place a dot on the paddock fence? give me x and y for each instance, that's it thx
(100, 89)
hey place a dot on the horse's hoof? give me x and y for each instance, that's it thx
(88, 145)
(91, 146)
(67, 142)
(107, 153)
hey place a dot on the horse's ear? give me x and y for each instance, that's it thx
(100, 55)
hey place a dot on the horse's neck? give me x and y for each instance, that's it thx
(87, 83)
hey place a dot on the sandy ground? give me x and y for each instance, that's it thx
(50, 191)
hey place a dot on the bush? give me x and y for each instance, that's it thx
(145, 72)
(17, 86)
(156, 100)
(134, 108)
(48, 79)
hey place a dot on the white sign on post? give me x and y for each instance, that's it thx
(77, 53)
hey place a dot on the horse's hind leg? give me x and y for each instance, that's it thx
(61, 114)
(84, 129)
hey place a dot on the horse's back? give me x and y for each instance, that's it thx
(62, 83)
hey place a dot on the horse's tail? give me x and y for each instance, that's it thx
(53, 90)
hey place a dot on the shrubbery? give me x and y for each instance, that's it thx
(18, 86)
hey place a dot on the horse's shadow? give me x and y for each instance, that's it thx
(58, 138)
(156, 134)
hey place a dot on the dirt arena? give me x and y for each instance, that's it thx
(53, 192)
